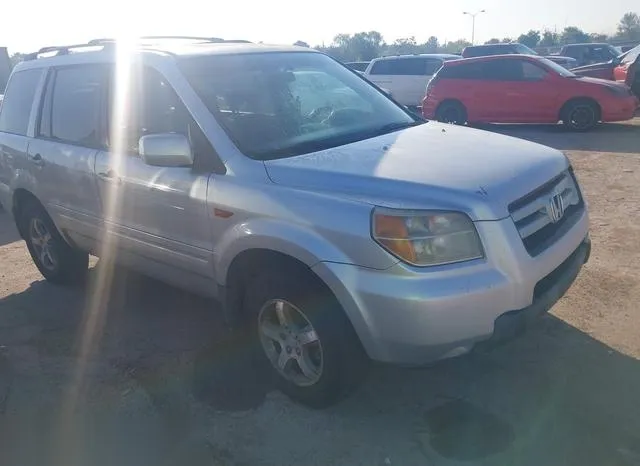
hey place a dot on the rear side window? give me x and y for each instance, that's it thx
(17, 102)
(77, 95)
(463, 71)
(414, 66)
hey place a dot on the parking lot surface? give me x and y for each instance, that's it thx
(149, 376)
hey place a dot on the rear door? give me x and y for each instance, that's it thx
(15, 117)
(69, 132)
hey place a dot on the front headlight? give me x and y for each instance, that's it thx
(425, 238)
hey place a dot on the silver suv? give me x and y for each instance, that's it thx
(329, 221)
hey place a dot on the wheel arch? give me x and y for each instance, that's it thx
(585, 98)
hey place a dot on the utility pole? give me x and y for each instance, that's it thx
(473, 23)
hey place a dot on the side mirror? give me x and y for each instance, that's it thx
(166, 150)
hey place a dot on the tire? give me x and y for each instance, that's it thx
(580, 115)
(58, 262)
(316, 335)
(451, 112)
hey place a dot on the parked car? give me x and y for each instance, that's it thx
(328, 235)
(622, 69)
(515, 49)
(358, 66)
(405, 76)
(523, 89)
(587, 54)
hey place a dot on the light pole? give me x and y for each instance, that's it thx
(473, 23)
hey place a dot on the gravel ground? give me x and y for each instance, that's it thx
(159, 382)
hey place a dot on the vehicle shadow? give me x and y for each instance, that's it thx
(555, 396)
(623, 138)
(8, 232)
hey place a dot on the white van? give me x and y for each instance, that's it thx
(406, 76)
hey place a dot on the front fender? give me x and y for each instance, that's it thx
(297, 241)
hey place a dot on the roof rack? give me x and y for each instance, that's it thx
(64, 49)
(110, 42)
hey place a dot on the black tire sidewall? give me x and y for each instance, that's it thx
(344, 361)
(571, 107)
(72, 264)
(452, 106)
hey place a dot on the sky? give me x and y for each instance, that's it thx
(28, 25)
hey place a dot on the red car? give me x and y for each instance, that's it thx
(523, 89)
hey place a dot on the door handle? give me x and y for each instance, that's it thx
(37, 160)
(109, 176)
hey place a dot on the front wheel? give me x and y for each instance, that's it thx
(305, 337)
(58, 262)
(581, 115)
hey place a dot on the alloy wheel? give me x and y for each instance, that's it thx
(290, 342)
(42, 243)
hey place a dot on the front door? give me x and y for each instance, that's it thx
(157, 216)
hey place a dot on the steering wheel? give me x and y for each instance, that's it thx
(321, 113)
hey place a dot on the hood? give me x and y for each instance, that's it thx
(601, 82)
(431, 166)
(560, 59)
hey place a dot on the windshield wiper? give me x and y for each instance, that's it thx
(391, 127)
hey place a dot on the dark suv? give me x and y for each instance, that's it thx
(586, 54)
(513, 49)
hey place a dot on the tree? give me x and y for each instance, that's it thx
(597, 37)
(404, 46)
(492, 41)
(300, 43)
(456, 46)
(574, 35)
(431, 45)
(507, 40)
(530, 39)
(362, 46)
(629, 27)
(549, 39)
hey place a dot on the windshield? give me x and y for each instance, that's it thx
(524, 50)
(562, 71)
(275, 105)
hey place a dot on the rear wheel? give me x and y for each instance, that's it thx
(57, 261)
(451, 112)
(581, 114)
(305, 337)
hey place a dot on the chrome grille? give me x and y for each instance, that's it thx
(534, 217)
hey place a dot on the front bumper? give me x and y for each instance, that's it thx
(621, 110)
(410, 316)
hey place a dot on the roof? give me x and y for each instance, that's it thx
(426, 55)
(509, 56)
(96, 50)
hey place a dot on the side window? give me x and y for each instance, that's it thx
(154, 107)
(401, 67)
(502, 70)
(433, 66)
(76, 103)
(531, 72)
(381, 67)
(463, 71)
(17, 102)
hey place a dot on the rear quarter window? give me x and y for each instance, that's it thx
(405, 67)
(463, 71)
(18, 101)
